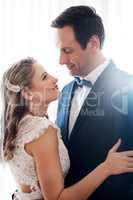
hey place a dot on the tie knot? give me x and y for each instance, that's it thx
(82, 82)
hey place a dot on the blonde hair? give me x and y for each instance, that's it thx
(17, 77)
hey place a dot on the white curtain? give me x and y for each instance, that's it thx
(25, 31)
(119, 33)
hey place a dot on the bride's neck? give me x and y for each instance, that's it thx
(38, 110)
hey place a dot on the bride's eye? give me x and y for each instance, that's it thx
(44, 77)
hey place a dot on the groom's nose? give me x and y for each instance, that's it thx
(63, 59)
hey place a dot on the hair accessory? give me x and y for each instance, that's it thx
(11, 87)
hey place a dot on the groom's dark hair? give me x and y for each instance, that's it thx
(84, 21)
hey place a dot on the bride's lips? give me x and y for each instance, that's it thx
(56, 87)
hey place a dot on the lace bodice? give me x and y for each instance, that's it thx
(22, 164)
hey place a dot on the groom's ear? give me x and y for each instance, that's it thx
(93, 43)
(26, 94)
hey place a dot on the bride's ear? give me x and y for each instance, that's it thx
(26, 94)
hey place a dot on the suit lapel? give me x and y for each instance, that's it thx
(67, 96)
(91, 102)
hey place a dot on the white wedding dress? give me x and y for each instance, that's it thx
(22, 165)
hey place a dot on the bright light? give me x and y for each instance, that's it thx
(25, 31)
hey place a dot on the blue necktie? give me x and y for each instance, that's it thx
(81, 82)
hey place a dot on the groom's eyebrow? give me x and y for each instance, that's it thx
(65, 49)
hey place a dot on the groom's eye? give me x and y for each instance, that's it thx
(67, 50)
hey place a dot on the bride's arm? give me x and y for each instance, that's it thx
(46, 155)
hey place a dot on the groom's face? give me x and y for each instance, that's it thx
(77, 59)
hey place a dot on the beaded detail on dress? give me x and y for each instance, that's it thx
(22, 164)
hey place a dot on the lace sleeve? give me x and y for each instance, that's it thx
(31, 127)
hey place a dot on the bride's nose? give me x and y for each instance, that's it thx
(54, 79)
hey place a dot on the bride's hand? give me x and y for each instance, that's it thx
(119, 162)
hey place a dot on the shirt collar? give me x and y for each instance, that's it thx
(93, 76)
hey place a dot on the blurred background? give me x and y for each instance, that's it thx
(25, 31)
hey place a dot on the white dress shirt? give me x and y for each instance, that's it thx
(81, 94)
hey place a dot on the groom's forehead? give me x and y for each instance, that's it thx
(64, 37)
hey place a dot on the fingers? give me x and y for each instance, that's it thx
(128, 170)
(116, 146)
(130, 159)
(129, 165)
(127, 153)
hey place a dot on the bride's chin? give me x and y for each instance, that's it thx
(57, 94)
(55, 98)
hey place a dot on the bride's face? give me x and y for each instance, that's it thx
(44, 87)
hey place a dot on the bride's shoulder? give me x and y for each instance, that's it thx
(32, 125)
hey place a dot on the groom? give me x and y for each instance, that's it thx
(96, 108)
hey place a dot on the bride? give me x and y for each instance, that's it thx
(32, 144)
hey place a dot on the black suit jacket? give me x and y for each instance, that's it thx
(106, 115)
